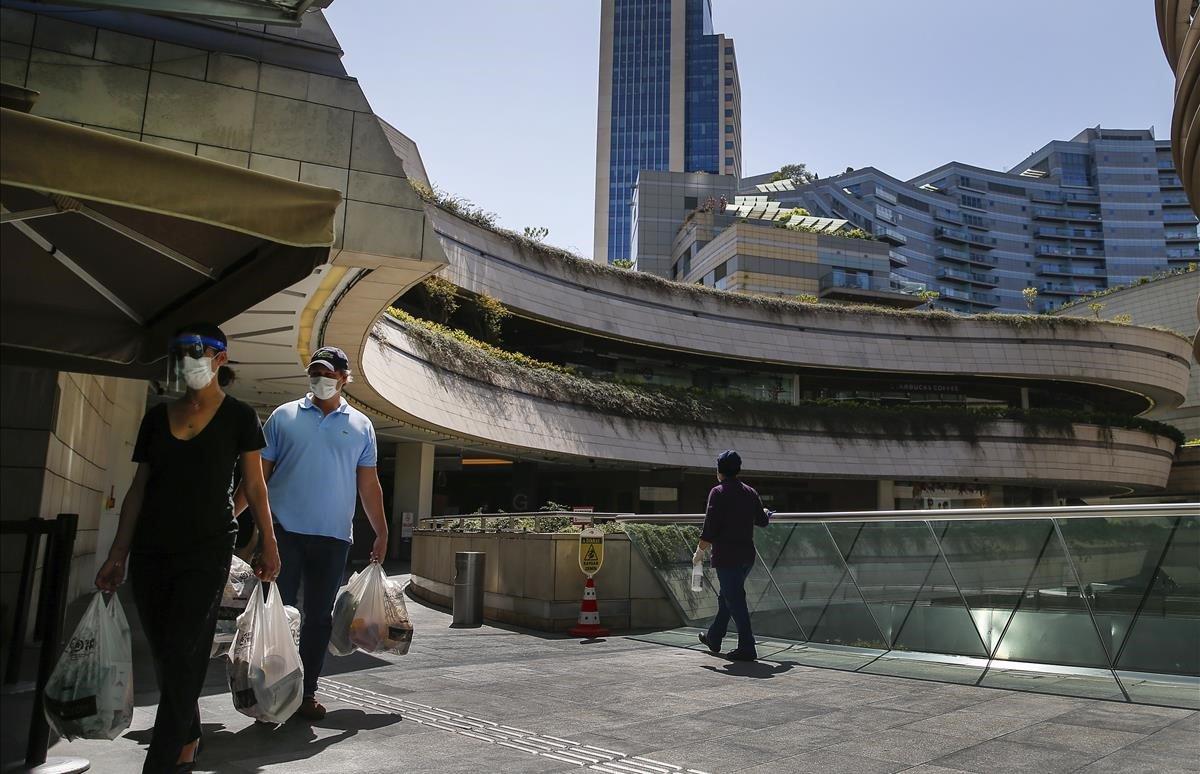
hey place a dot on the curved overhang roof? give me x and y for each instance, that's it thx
(125, 241)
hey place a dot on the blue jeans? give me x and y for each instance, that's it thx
(319, 562)
(732, 604)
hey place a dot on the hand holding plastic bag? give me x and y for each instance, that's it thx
(266, 677)
(90, 692)
(238, 589)
(369, 615)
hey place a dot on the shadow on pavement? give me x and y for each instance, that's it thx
(759, 670)
(294, 741)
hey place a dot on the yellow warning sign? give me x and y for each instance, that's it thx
(591, 550)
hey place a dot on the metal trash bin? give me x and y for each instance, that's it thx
(468, 588)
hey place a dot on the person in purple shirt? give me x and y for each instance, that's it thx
(734, 510)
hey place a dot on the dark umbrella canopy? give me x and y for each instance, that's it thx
(108, 245)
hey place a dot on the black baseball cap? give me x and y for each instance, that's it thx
(332, 358)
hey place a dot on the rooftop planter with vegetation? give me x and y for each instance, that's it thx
(461, 353)
(1086, 299)
(586, 270)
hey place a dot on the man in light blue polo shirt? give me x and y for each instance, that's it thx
(320, 455)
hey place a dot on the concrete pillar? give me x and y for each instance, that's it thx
(795, 389)
(412, 490)
(886, 495)
(1025, 397)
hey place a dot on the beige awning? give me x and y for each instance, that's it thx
(108, 244)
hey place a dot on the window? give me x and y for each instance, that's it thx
(729, 65)
(972, 201)
(719, 273)
(728, 81)
(729, 51)
(690, 202)
(729, 161)
(728, 127)
(728, 97)
(729, 145)
(728, 112)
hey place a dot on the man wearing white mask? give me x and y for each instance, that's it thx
(320, 454)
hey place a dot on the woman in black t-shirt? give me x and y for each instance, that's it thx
(177, 524)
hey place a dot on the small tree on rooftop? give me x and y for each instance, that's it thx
(536, 233)
(798, 173)
(1096, 308)
(441, 300)
(929, 296)
(490, 317)
(1030, 295)
(623, 263)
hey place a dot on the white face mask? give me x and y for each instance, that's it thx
(197, 372)
(323, 387)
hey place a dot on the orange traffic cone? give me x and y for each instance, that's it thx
(589, 615)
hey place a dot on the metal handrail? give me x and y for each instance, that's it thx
(935, 514)
(950, 514)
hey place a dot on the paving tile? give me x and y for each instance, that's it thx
(764, 713)
(730, 753)
(1037, 706)
(802, 735)
(825, 762)
(1122, 717)
(873, 718)
(902, 745)
(1072, 737)
(1168, 745)
(998, 755)
(969, 724)
(1129, 762)
(680, 729)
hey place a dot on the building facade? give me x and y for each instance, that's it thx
(1077, 216)
(669, 99)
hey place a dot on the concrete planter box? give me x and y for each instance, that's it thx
(533, 579)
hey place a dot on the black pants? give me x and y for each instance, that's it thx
(177, 597)
(318, 562)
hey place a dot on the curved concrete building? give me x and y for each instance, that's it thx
(416, 391)
(1181, 43)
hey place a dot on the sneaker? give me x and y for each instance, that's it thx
(735, 655)
(311, 709)
(711, 649)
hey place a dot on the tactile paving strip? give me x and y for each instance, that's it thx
(565, 750)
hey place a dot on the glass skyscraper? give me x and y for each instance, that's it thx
(669, 100)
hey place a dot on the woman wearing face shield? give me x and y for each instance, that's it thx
(176, 532)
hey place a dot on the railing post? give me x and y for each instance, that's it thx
(12, 673)
(56, 571)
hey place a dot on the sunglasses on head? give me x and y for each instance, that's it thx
(194, 346)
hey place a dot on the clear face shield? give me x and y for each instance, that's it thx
(188, 361)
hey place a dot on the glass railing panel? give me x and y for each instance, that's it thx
(992, 562)
(817, 585)
(668, 551)
(770, 614)
(1164, 636)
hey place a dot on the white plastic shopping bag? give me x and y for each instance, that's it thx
(238, 588)
(266, 677)
(90, 692)
(369, 615)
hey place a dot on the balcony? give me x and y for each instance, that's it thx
(1178, 235)
(1179, 252)
(894, 290)
(1048, 213)
(962, 256)
(987, 299)
(1055, 197)
(961, 295)
(896, 257)
(1068, 250)
(947, 216)
(971, 277)
(1175, 200)
(890, 235)
(1066, 289)
(886, 195)
(1071, 270)
(963, 237)
(1179, 217)
(1069, 233)
(1169, 181)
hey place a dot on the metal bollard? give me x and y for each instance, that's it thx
(468, 588)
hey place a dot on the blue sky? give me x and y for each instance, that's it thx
(500, 95)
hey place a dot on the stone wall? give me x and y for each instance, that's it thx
(533, 579)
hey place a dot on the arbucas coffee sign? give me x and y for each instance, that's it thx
(923, 387)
